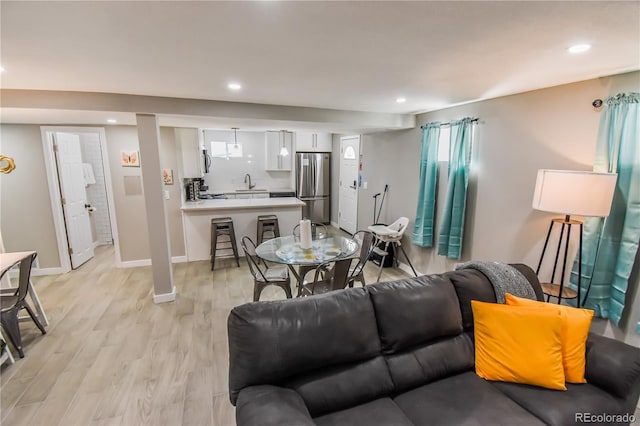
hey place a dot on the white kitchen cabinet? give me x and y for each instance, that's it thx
(245, 195)
(274, 158)
(313, 142)
(190, 148)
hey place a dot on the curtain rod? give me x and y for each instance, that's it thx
(473, 120)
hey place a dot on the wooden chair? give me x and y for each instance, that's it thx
(263, 275)
(13, 301)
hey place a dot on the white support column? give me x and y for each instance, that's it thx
(149, 139)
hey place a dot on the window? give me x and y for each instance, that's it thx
(443, 144)
(349, 153)
(225, 150)
(219, 149)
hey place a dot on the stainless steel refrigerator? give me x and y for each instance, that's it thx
(313, 185)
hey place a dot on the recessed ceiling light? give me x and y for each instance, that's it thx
(234, 86)
(111, 120)
(401, 100)
(1, 68)
(579, 48)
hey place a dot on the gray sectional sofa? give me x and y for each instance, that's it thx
(402, 354)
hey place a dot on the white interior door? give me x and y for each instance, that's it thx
(348, 197)
(74, 196)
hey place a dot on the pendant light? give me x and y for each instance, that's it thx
(235, 146)
(235, 137)
(283, 149)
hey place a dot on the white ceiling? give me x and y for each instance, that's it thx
(340, 55)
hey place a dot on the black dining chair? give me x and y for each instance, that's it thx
(328, 276)
(12, 301)
(366, 240)
(263, 274)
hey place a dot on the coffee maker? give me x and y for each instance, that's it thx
(192, 188)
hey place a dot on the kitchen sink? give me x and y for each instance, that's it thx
(251, 190)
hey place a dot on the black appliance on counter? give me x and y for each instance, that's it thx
(281, 194)
(193, 187)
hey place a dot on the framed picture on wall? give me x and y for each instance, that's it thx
(167, 176)
(130, 159)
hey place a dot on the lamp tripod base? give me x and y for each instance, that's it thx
(552, 289)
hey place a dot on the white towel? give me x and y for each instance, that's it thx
(89, 177)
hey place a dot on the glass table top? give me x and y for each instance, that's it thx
(287, 250)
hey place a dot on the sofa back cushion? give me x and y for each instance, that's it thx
(273, 342)
(347, 385)
(432, 361)
(414, 311)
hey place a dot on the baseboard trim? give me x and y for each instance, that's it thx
(165, 298)
(406, 268)
(335, 224)
(147, 262)
(134, 263)
(38, 272)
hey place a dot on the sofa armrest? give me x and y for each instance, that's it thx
(613, 366)
(271, 406)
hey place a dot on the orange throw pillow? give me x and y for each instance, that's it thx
(576, 323)
(518, 344)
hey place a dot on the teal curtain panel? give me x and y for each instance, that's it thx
(452, 226)
(610, 244)
(425, 212)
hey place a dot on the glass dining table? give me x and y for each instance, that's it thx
(287, 250)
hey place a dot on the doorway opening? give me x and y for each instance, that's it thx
(80, 190)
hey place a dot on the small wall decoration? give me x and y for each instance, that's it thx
(130, 158)
(7, 165)
(167, 176)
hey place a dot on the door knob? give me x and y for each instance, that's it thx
(87, 206)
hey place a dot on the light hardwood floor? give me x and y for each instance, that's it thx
(112, 356)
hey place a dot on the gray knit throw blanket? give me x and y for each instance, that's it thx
(503, 278)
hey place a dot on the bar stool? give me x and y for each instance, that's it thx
(223, 226)
(267, 223)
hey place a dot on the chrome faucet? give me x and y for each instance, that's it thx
(248, 176)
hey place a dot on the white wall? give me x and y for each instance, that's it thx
(25, 206)
(228, 174)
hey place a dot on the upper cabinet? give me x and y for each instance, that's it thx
(190, 151)
(313, 142)
(278, 150)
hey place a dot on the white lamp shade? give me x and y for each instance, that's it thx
(574, 192)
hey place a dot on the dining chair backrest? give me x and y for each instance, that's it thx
(256, 265)
(366, 240)
(332, 275)
(318, 231)
(24, 277)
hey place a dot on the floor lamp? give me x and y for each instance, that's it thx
(570, 193)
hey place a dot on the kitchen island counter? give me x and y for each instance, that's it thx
(197, 215)
(244, 203)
